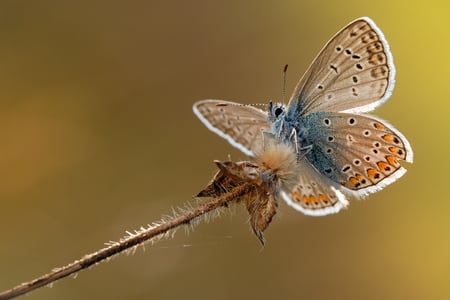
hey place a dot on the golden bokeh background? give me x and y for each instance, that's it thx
(97, 136)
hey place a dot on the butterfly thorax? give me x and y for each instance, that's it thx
(286, 129)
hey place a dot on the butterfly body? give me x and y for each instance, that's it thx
(340, 149)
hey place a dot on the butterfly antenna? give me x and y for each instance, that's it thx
(257, 104)
(284, 82)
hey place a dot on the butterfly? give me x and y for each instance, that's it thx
(340, 149)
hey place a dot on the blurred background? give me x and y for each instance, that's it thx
(97, 136)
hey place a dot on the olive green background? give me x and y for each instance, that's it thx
(97, 136)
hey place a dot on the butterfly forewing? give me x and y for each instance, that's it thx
(241, 125)
(354, 72)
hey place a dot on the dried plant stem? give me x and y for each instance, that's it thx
(126, 243)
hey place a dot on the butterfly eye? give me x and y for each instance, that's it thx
(278, 111)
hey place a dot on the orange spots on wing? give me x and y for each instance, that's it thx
(388, 138)
(373, 174)
(391, 138)
(357, 180)
(353, 180)
(296, 196)
(323, 198)
(306, 200)
(378, 126)
(395, 150)
(392, 160)
(373, 59)
(313, 199)
(383, 166)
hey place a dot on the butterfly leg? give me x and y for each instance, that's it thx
(303, 151)
(293, 138)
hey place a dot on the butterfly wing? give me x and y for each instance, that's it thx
(314, 194)
(241, 125)
(360, 152)
(354, 72)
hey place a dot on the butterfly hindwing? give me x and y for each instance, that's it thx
(360, 152)
(314, 194)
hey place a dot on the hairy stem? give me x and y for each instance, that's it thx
(127, 243)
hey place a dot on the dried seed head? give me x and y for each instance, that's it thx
(230, 175)
(275, 169)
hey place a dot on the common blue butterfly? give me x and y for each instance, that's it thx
(340, 149)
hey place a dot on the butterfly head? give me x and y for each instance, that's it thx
(279, 123)
(276, 111)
